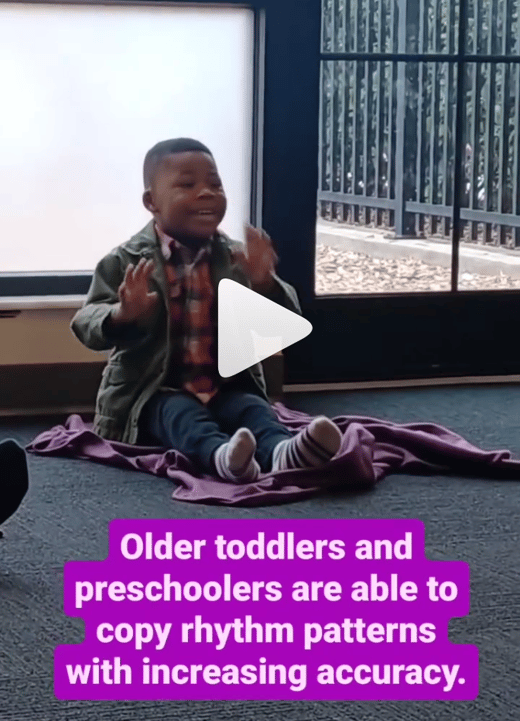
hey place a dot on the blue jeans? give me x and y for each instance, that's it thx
(180, 421)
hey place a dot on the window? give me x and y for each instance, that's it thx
(390, 143)
(89, 91)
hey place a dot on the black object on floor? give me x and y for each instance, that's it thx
(14, 478)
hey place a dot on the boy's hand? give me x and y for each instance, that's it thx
(259, 260)
(136, 303)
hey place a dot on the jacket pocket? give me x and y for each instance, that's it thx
(108, 428)
(116, 374)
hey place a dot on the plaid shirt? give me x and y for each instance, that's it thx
(194, 367)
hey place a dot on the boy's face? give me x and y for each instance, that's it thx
(187, 198)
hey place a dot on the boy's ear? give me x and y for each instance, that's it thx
(148, 201)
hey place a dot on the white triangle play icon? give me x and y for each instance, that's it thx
(251, 328)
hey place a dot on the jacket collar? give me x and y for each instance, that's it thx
(146, 242)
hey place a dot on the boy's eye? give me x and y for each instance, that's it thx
(187, 184)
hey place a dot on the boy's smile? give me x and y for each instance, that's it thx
(187, 198)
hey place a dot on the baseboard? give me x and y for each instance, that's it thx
(404, 383)
(63, 388)
(49, 388)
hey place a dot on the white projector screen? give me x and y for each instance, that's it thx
(85, 92)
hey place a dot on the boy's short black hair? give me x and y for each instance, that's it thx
(156, 154)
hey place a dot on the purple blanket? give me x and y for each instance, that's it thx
(371, 449)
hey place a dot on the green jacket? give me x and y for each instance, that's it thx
(139, 359)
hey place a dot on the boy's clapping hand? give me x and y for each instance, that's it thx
(136, 303)
(259, 260)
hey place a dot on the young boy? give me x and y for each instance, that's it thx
(153, 302)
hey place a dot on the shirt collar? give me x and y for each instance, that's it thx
(168, 244)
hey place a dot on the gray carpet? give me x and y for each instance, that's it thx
(70, 504)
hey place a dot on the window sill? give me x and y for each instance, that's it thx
(41, 302)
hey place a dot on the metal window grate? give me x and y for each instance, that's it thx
(420, 118)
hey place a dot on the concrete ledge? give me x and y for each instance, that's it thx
(378, 244)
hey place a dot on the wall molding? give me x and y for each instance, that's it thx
(50, 388)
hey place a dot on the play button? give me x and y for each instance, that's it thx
(251, 328)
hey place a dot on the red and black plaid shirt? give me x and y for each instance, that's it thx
(193, 363)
